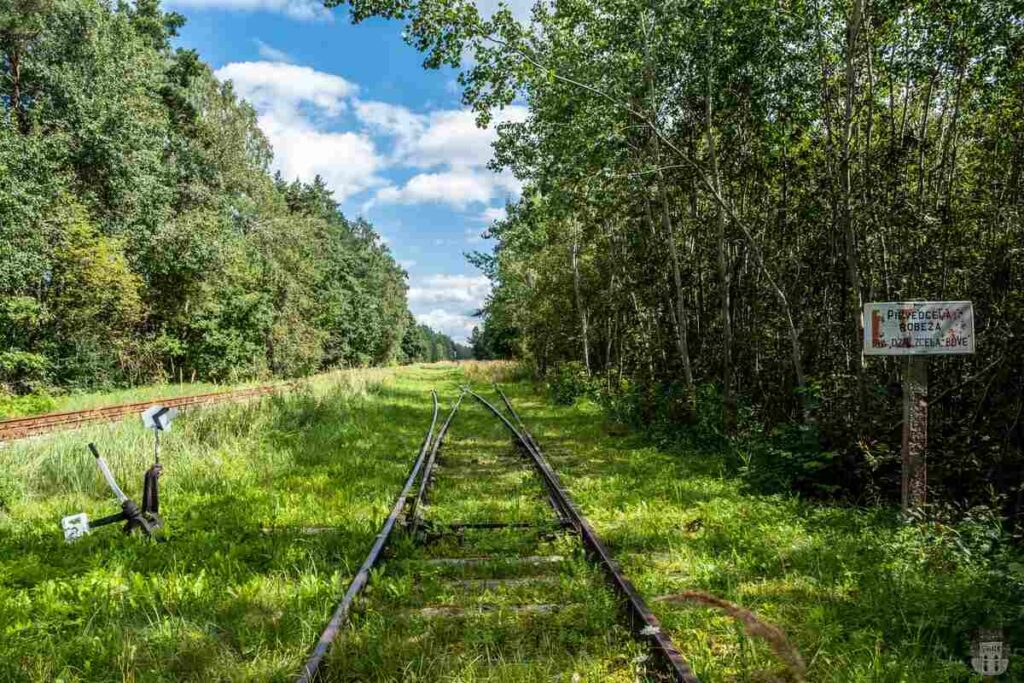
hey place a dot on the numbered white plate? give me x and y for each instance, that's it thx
(75, 527)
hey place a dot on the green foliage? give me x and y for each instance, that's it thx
(141, 236)
(568, 382)
(27, 404)
(712, 190)
(424, 345)
(789, 458)
(862, 595)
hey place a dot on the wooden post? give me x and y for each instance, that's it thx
(915, 432)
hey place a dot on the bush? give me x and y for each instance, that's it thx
(29, 404)
(570, 381)
(789, 458)
(22, 370)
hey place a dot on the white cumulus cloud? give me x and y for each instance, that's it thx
(304, 10)
(295, 105)
(446, 302)
(455, 188)
(448, 146)
(457, 326)
(276, 85)
(298, 105)
(452, 138)
(470, 290)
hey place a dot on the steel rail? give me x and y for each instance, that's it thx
(414, 508)
(564, 519)
(23, 427)
(311, 669)
(642, 621)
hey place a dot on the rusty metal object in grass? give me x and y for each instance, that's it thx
(24, 427)
(413, 517)
(753, 625)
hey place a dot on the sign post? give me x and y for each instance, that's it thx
(916, 329)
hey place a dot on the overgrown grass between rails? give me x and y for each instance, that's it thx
(240, 591)
(862, 596)
(426, 616)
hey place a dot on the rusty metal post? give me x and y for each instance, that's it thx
(915, 433)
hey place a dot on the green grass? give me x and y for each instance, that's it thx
(35, 404)
(239, 592)
(242, 588)
(862, 596)
(495, 620)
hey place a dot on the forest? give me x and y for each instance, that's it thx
(142, 237)
(714, 190)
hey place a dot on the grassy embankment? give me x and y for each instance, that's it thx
(36, 404)
(241, 590)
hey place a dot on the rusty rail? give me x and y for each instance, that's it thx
(642, 621)
(311, 670)
(428, 470)
(23, 427)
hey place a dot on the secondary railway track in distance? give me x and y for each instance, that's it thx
(24, 427)
(491, 573)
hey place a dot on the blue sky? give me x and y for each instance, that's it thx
(353, 104)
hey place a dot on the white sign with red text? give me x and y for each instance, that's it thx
(911, 328)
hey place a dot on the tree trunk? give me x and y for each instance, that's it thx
(19, 118)
(680, 316)
(723, 267)
(579, 298)
(854, 300)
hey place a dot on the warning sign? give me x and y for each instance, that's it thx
(910, 328)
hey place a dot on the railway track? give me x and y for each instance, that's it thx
(23, 427)
(485, 569)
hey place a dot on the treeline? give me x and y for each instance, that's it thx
(141, 236)
(424, 344)
(712, 190)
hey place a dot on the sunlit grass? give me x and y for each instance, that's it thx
(85, 400)
(241, 590)
(428, 617)
(861, 595)
(244, 585)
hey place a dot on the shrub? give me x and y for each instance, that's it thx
(570, 381)
(29, 404)
(789, 458)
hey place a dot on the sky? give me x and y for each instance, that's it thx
(353, 104)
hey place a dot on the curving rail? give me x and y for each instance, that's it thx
(642, 620)
(311, 669)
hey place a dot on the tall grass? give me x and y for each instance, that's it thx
(241, 589)
(863, 596)
(488, 372)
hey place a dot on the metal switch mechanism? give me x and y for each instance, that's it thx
(145, 519)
